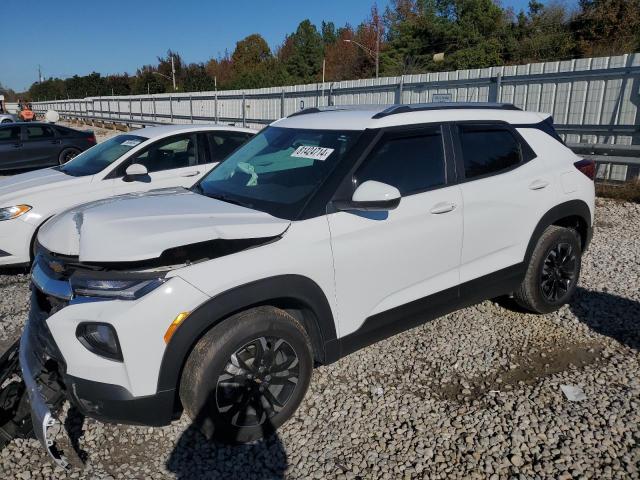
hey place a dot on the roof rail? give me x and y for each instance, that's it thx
(421, 107)
(305, 111)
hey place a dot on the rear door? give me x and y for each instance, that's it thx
(506, 189)
(384, 261)
(171, 162)
(10, 147)
(40, 146)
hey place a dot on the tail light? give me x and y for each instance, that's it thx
(92, 140)
(588, 167)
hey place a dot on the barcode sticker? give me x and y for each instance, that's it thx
(314, 153)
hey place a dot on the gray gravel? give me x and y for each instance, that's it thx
(475, 394)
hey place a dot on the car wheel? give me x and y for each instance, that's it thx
(247, 375)
(6, 120)
(553, 271)
(67, 154)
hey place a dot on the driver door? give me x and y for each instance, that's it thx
(175, 161)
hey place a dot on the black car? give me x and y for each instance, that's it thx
(37, 144)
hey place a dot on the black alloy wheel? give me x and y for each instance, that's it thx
(558, 272)
(257, 381)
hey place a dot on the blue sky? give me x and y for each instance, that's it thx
(68, 37)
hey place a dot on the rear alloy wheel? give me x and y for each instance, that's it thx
(67, 154)
(247, 375)
(558, 272)
(553, 271)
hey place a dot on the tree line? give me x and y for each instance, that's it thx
(407, 34)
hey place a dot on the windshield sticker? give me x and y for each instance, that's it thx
(314, 153)
(130, 143)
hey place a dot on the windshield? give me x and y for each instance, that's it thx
(101, 156)
(279, 169)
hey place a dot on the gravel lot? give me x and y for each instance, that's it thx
(475, 394)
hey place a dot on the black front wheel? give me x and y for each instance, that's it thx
(247, 375)
(553, 271)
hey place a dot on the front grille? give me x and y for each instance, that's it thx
(59, 267)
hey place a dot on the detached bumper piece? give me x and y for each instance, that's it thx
(45, 391)
(15, 414)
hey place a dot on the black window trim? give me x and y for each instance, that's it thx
(527, 154)
(125, 164)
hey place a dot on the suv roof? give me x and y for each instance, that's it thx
(361, 117)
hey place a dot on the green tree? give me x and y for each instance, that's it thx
(607, 27)
(303, 53)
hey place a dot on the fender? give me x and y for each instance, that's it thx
(286, 290)
(571, 208)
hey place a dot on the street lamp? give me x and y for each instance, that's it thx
(376, 54)
(173, 74)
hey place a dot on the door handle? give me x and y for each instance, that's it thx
(56, 142)
(538, 184)
(17, 145)
(190, 174)
(443, 207)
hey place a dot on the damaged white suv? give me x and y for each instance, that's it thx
(329, 230)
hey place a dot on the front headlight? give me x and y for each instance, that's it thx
(124, 288)
(7, 213)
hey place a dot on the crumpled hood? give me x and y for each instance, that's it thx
(23, 184)
(140, 226)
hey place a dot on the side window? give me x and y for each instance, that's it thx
(174, 152)
(488, 149)
(11, 134)
(221, 144)
(40, 132)
(411, 163)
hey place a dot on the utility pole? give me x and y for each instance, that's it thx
(377, 46)
(39, 74)
(173, 72)
(324, 65)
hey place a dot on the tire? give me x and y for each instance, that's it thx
(229, 399)
(6, 120)
(67, 154)
(553, 271)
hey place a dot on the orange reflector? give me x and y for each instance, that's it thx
(174, 326)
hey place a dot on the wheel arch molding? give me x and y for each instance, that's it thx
(298, 295)
(574, 213)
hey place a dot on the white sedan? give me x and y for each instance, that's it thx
(145, 159)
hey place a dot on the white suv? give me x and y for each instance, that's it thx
(329, 230)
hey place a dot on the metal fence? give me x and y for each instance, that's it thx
(592, 100)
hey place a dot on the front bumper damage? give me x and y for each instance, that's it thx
(45, 398)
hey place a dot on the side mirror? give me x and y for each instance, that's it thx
(135, 171)
(372, 196)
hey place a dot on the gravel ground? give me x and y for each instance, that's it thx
(475, 394)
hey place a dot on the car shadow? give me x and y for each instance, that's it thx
(605, 313)
(608, 314)
(196, 457)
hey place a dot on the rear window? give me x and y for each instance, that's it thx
(488, 149)
(39, 132)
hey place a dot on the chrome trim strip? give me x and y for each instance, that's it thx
(56, 288)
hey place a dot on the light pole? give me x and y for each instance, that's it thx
(375, 55)
(167, 77)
